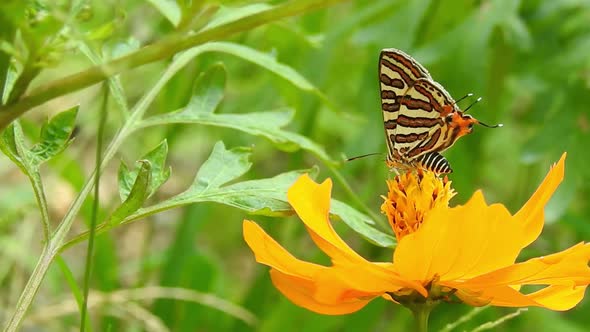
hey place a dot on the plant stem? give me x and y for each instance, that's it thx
(94, 218)
(421, 313)
(158, 51)
(39, 192)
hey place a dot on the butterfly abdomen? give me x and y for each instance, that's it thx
(435, 162)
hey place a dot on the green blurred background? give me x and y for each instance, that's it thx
(529, 60)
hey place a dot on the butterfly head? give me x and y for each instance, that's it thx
(460, 123)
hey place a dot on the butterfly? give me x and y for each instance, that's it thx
(421, 118)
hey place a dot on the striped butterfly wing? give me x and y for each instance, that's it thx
(421, 126)
(414, 107)
(397, 74)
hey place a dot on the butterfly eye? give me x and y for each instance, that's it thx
(449, 118)
(470, 126)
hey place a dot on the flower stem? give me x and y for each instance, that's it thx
(421, 313)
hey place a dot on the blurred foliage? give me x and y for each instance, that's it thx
(229, 125)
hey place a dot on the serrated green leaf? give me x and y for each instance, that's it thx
(125, 180)
(137, 195)
(221, 167)
(264, 196)
(159, 172)
(261, 197)
(265, 124)
(208, 90)
(208, 93)
(9, 146)
(361, 224)
(55, 136)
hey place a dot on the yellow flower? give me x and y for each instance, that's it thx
(466, 251)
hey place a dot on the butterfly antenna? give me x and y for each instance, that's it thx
(363, 156)
(465, 96)
(475, 102)
(488, 126)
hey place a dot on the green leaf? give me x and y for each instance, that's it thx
(208, 90)
(361, 224)
(264, 196)
(137, 195)
(221, 167)
(208, 93)
(55, 136)
(265, 124)
(159, 173)
(12, 143)
(264, 60)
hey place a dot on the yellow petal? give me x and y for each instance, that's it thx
(559, 297)
(325, 287)
(531, 216)
(567, 273)
(304, 283)
(555, 297)
(301, 292)
(311, 202)
(459, 243)
(269, 252)
(568, 267)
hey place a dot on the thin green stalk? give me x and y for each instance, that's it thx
(421, 312)
(158, 51)
(465, 318)
(94, 217)
(71, 281)
(421, 316)
(501, 320)
(42, 203)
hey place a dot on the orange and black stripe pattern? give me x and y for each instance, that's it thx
(420, 117)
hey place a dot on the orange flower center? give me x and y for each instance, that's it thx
(411, 197)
